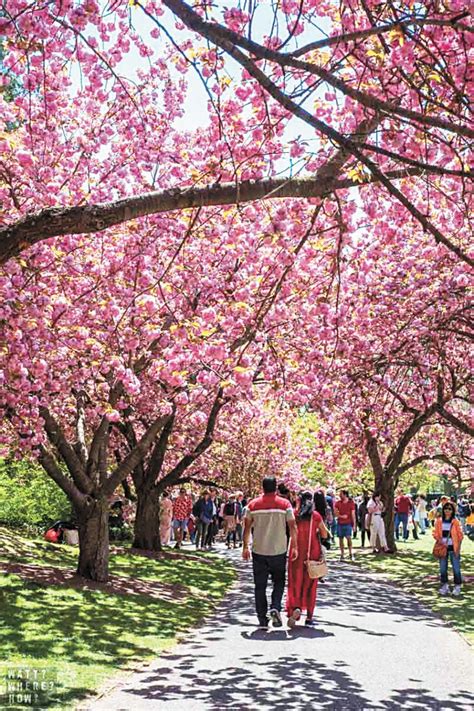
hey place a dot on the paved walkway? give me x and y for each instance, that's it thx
(374, 648)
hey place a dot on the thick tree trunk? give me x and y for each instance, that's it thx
(94, 540)
(147, 520)
(386, 486)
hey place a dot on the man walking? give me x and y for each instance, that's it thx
(266, 518)
(202, 512)
(182, 509)
(344, 510)
(403, 506)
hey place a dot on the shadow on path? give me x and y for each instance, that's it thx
(354, 659)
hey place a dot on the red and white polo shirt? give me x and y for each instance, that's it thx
(268, 515)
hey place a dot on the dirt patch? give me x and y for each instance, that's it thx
(116, 584)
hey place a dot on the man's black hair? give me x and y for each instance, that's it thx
(269, 485)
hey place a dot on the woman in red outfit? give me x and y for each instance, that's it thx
(302, 589)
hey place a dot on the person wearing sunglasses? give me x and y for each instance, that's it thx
(448, 531)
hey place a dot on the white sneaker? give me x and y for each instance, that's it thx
(457, 590)
(444, 589)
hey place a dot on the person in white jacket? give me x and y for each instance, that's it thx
(375, 509)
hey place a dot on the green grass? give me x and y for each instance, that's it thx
(79, 638)
(416, 570)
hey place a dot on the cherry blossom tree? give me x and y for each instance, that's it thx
(394, 363)
(312, 237)
(257, 439)
(386, 84)
(135, 347)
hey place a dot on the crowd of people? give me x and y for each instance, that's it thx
(282, 530)
(201, 519)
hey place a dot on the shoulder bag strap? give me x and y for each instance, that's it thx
(310, 538)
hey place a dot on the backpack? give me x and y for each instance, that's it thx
(52, 535)
(229, 510)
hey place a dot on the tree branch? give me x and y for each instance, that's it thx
(132, 459)
(395, 457)
(221, 35)
(159, 451)
(380, 29)
(86, 219)
(228, 40)
(50, 465)
(424, 458)
(57, 438)
(172, 477)
(455, 421)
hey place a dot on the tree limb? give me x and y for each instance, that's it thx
(228, 40)
(221, 35)
(132, 459)
(57, 438)
(50, 465)
(86, 219)
(455, 421)
(427, 457)
(394, 459)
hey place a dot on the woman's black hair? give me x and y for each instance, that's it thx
(448, 505)
(320, 503)
(306, 507)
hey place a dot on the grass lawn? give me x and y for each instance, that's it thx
(76, 638)
(416, 570)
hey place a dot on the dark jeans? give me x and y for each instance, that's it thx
(264, 566)
(443, 568)
(211, 532)
(363, 534)
(401, 518)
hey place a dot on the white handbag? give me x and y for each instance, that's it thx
(316, 568)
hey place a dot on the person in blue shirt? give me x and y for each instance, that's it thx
(203, 511)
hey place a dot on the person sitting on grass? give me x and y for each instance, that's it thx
(448, 530)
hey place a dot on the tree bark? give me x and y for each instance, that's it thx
(93, 521)
(386, 486)
(147, 520)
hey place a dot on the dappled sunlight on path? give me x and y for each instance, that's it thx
(374, 648)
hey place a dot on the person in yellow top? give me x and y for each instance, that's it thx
(448, 530)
